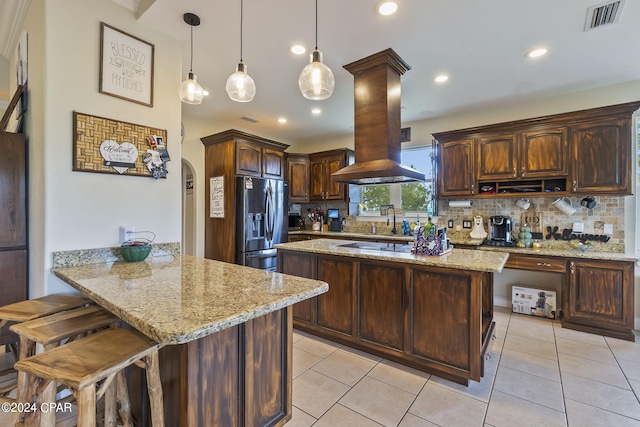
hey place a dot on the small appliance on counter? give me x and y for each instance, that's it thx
(294, 220)
(334, 215)
(500, 231)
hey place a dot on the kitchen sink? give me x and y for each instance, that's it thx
(385, 247)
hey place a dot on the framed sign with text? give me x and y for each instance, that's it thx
(126, 66)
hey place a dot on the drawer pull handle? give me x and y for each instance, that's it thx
(543, 264)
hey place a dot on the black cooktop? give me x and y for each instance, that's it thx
(499, 243)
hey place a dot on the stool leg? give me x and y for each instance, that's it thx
(110, 405)
(123, 399)
(155, 390)
(32, 419)
(26, 347)
(86, 399)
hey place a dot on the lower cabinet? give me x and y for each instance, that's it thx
(599, 297)
(433, 319)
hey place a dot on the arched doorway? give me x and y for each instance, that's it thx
(188, 209)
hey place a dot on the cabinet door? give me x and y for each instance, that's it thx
(13, 284)
(336, 308)
(300, 265)
(600, 294)
(456, 168)
(248, 159)
(497, 157)
(13, 184)
(382, 305)
(334, 190)
(602, 157)
(316, 180)
(272, 163)
(298, 177)
(543, 153)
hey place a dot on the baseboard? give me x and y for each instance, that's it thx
(503, 301)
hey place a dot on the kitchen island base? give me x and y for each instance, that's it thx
(237, 377)
(438, 320)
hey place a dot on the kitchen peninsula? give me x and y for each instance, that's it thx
(226, 331)
(434, 313)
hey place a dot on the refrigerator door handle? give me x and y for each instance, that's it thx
(269, 213)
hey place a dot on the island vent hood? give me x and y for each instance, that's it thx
(377, 122)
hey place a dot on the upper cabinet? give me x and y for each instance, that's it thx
(583, 152)
(321, 166)
(602, 157)
(456, 168)
(298, 177)
(254, 158)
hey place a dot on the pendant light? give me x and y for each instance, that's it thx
(190, 91)
(240, 86)
(316, 79)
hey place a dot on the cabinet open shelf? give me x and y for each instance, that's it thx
(538, 187)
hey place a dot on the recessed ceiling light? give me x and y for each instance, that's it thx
(387, 8)
(316, 111)
(282, 120)
(441, 78)
(536, 53)
(298, 49)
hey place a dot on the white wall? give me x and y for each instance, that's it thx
(78, 210)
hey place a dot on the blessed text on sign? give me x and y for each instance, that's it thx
(126, 66)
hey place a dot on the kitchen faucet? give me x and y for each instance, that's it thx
(393, 230)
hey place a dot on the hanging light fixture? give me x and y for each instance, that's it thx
(240, 86)
(316, 79)
(190, 91)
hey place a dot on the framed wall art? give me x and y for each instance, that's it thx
(109, 146)
(126, 66)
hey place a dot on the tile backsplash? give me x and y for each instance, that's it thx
(608, 210)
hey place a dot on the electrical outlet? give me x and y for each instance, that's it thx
(466, 224)
(126, 233)
(450, 223)
(578, 227)
(608, 229)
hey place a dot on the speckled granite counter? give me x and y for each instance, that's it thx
(181, 299)
(346, 235)
(461, 259)
(565, 253)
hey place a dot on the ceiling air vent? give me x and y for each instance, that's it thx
(603, 14)
(248, 119)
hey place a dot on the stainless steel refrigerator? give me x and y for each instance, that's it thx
(261, 222)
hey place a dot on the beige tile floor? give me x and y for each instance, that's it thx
(539, 374)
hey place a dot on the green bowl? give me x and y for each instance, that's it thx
(135, 253)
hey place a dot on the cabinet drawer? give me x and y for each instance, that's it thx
(536, 263)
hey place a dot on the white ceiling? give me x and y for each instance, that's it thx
(481, 45)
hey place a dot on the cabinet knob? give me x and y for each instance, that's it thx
(543, 264)
(573, 267)
(515, 173)
(473, 189)
(575, 185)
(522, 171)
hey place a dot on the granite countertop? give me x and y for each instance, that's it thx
(562, 252)
(180, 299)
(362, 236)
(460, 259)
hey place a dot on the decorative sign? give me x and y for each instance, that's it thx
(189, 184)
(126, 66)
(109, 146)
(216, 201)
(119, 156)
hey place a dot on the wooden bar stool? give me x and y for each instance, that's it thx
(23, 311)
(98, 358)
(51, 331)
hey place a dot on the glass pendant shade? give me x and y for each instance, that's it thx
(316, 79)
(240, 86)
(190, 91)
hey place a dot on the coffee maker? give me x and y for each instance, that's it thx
(500, 231)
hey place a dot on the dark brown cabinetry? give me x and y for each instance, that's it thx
(582, 152)
(229, 154)
(13, 223)
(599, 298)
(434, 319)
(298, 177)
(321, 166)
(601, 159)
(456, 168)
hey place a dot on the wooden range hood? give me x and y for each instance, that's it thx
(377, 122)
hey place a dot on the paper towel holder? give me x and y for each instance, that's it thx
(460, 203)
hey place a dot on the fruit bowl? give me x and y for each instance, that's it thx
(135, 251)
